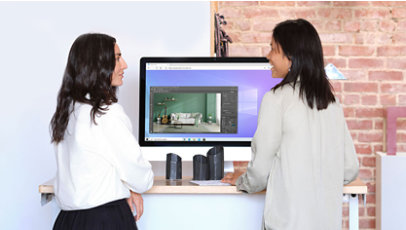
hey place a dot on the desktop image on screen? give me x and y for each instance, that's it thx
(201, 101)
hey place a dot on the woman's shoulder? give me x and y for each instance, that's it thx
(282, 91)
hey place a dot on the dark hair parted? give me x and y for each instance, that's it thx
(87, 79)
(302, 46)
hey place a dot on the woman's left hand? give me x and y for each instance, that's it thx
(136, 199)
(231, 178)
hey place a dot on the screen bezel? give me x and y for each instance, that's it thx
(142, 90)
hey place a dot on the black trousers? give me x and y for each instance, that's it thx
(115, 215)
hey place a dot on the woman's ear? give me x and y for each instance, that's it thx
(290, 63)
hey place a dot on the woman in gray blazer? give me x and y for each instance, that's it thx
(302, 151)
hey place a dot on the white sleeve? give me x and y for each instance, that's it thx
(351, 165)
(264, 145)
(134, 170)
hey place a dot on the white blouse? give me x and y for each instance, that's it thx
(303, 157)
(97, 164)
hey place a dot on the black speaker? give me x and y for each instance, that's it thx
(173, 166)
(200, 168)
(215, 158)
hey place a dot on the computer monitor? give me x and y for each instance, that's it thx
(190, 104)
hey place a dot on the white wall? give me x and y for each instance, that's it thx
(34, 43)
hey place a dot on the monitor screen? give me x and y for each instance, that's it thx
(201, 101)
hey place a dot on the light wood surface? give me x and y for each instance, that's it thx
(162, 186)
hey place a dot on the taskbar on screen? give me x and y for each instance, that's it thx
(202, 139)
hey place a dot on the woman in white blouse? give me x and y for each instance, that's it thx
(100, 169)
(302, 151)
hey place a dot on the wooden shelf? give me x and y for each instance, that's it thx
(162, 186)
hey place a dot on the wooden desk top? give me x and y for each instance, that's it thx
(162, 186)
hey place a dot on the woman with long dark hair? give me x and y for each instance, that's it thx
(100, 169)
(302, 151)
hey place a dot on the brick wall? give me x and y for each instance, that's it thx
(366, 41)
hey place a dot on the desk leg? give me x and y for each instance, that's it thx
(353, 218)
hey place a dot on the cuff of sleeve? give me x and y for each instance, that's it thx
(241, 185)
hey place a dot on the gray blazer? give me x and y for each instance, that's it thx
(302, 157)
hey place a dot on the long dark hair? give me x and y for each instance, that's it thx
(301, 45)
(87, 79)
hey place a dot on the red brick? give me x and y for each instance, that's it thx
(329, 50)
(356, 50)
(345, 224)
(255, 37)
(352, 26)
(370, 137)
(242, 25)
(336, 86)
(392, 51)
(387, 25)
(360, 87)
(401, 137)
(259, 12)
(318, 24)
(363, 149)
(388, 3)
(402, 100)
(237, 3)
(399, 12)
(367, 223)
(361, 211)
(287, 13)
(371, 187)
(372, 13)
(365, 38)
(359, 124)
(369, 100)
(401, 148)
(378, 124)
(377, 148)
(388, 99)
(365, 63)
(235, 36)
(338, 62)
(401, 123)
(345, 210)
(385, 76)
(305, 13)
(336, 38)
(264, 26)
(333, 25)
(335, 13)
(354, 135)
(277, 3)
(365, 173)
(230, 12)
(399, 37)
(371, 211)
(351, 99)
(369, 25)
(397, 63)
(357, 75)
(384, 39)
(369, 112)
(238, 50)
(401, 25)
(393, 88)
(349, 112)
(371, 198)
(313, 3)
(351, 3)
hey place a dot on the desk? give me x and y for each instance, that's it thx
(162, 186)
